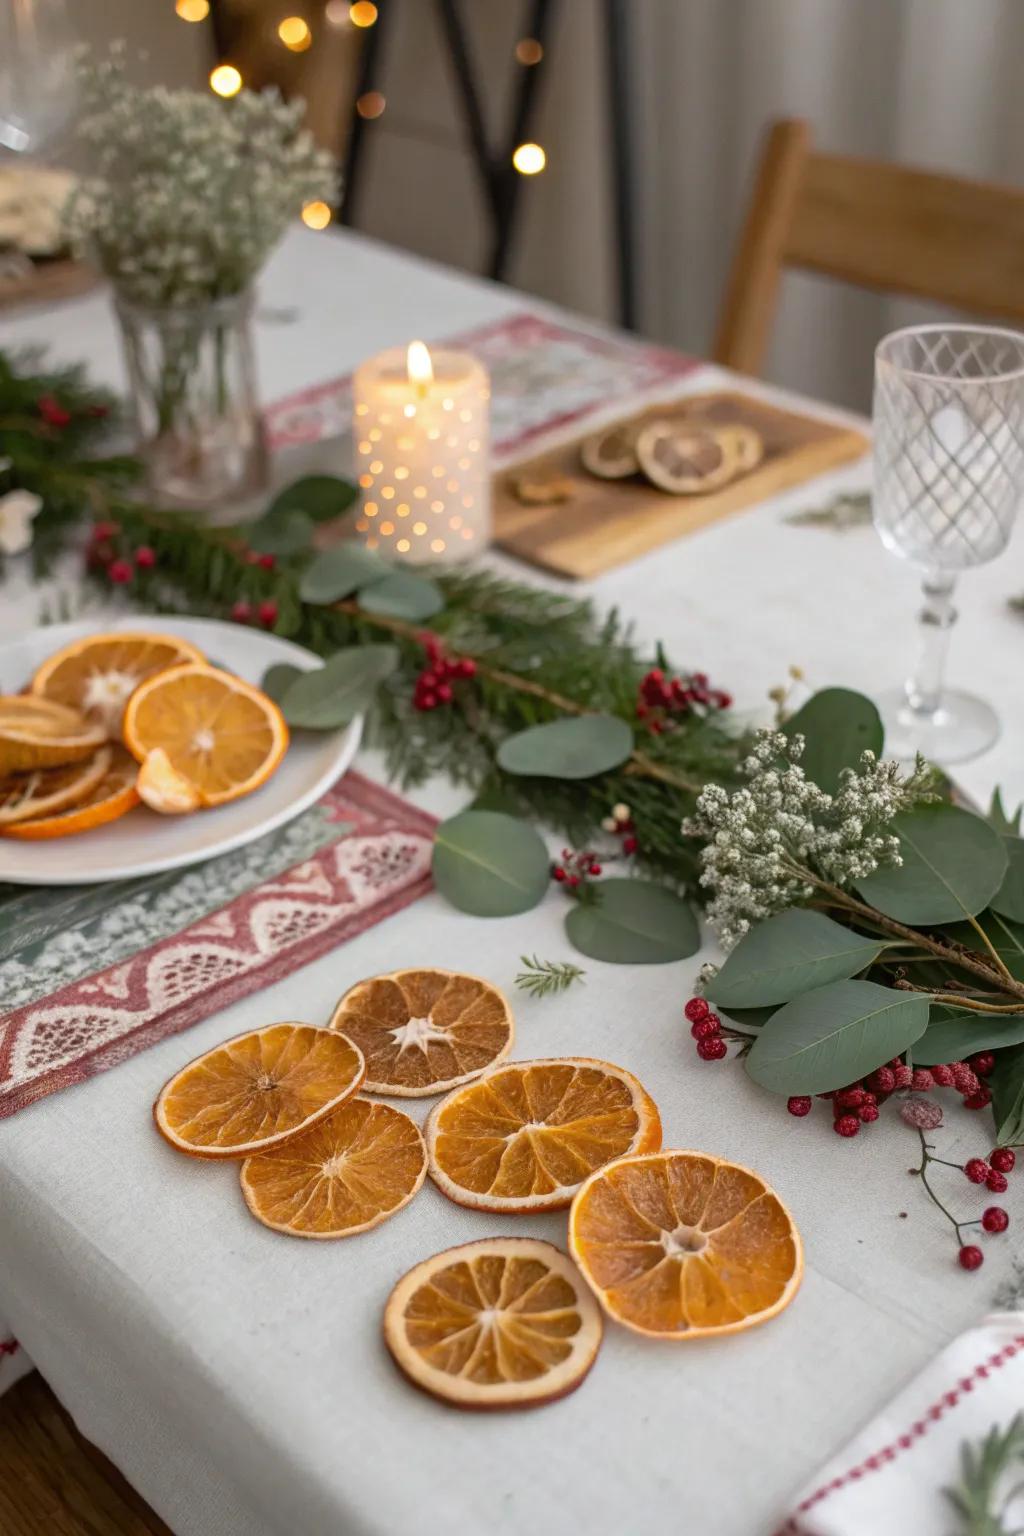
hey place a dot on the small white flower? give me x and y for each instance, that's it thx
(17, 509)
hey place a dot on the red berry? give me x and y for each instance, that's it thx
(558, 873)
(982, 1062)
(428, 680)
(595, 869)
(995, 1219)
(902, 1075)
(444, 693)
(850, 1098)
(52, 412)
(105, 530)
(997, 1182)
(467, 667)
(922, 1080)
(868, 1113)
(145, 558)
(706, 1029)
(425, 701)
(846, 1125)
(267, 613)
(721, 700)
(573, 880)
(977, 1170)
(799, 1105)
(971, 1257)
(980, 1100)
(712, 1049)
(943, 1076)
(268, 562)
(241, 613)
(870, 1098)
(696, 1009)
(964, 1078)
(1003, 1158)
(882, 1080)
(629, 845)
(120, 572)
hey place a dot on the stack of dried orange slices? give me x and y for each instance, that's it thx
(672, 1244)
(113, 719)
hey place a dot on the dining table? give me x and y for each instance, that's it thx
(237, 1378)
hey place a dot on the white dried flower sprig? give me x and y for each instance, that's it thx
(193, 192)
(766, 842)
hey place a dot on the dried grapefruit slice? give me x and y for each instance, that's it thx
(502, 1323)
(525, 1135)
(610, 454)
(99, 674)
(685, 460)
(425, 1031)
(345, 1174)
(113, 796)
(682, 1245)
(37, 733)
(223, 735)
(257, 1090)
(25, 795)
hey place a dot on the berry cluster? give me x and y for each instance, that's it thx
(994, 1219)
(858, 1104)
(706, 1029)
(661, 699)
(264, 613)
(101, 555)
(434, 683)
(576, 867)
(620, 824)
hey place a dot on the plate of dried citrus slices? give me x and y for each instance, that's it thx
(147, 745)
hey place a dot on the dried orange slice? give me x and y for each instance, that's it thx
(425, 1031)
(99, 674)
(257, 1090)
(345, 1174)
(25, 795)
(682, 1245)
(503, 1323)
(163, 788)
(685, 460)
(223, 735)
(113, 796)
(525, 1135)
(37, 733)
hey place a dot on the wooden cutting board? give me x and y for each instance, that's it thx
(610, 522)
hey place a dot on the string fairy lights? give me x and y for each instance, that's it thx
(225, 80)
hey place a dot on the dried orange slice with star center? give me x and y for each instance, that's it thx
(424, 1031)
(345, 1174)
(99, 674)
(681, 1245)
(502, 1323)
(37, 733)
(525, 1135)
(257, 1090)
(111, 797)
(222, 735)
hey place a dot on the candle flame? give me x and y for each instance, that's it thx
(421, 369)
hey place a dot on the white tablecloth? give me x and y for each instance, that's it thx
(237, 1377)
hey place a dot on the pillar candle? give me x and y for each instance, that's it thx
(420, 429)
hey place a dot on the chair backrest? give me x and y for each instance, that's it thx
(876, 225)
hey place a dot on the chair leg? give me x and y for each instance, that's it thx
(750, 299)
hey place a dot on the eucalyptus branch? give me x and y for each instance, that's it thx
(997, 958)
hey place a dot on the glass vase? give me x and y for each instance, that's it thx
(192, 379)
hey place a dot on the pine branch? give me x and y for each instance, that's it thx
(547, 978)
(984, 1465)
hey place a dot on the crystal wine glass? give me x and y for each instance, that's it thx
(948, 479)
(37, 73)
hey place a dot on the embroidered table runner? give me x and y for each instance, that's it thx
(91, 975)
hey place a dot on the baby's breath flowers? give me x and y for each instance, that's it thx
(770, 842)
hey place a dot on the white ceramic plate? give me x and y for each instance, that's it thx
(142, 842)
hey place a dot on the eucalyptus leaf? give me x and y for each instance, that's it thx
(320, 497)
(339, 572)
(953, 865)
(1000, 818)
(837, 726)
(278, 679)
(747, 1020)
(954, 1033)
(490, 864)
(403, 595)
(1007, 1085)
(834, 1036)
(793, 952)
(1009, 899)
(579, 748)
(286, 533)
(339, 690)
(633, 922)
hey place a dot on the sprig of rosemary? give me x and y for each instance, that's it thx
(984, 1467)
(547, 978)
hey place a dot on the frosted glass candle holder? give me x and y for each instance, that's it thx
(421, 434)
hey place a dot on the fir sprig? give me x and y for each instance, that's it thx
(547, 978)
(981, 1498)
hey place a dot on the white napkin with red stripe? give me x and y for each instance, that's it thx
(888, 1480)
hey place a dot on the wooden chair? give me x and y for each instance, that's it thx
(880, 226)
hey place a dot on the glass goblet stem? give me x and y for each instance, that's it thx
(936, 620)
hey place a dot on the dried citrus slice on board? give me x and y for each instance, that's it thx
(257, 1090)
(610, 454)
(37, 733)
(223, 735)
(685, 460)
(681, 1245)
(163, 788)
(112, 797)
(744, 444)
(425, 1031)
(525, 1135)
(24, 795)
(502, 1323)
(99, 674)
(345, 1174)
